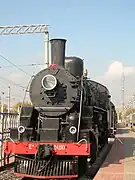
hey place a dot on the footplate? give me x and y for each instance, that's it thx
(61, 169)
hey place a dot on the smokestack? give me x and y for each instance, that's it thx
(58, 52)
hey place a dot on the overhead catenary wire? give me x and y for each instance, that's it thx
(19, 85)
(9, 81)
(14, 65)
(25, 65)
(22, 29)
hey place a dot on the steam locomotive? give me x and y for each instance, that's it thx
(71, 119)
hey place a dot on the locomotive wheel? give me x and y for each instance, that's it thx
(82, 166)
(94, 147)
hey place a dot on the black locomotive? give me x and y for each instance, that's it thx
(70, 121)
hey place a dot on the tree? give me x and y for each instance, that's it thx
(129, 111)
(5, 109)
(120, 115)
(19, 104)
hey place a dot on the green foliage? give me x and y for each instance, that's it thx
(18, 105)
(120, 115)
(125, 113)
(129, 111)
(5, 109)
(15, 107)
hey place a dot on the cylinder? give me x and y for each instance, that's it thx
(58, 52)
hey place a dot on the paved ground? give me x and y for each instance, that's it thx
(120, 163)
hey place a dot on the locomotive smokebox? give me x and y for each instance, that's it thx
(58, 52)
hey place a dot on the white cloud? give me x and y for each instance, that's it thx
(112, 78)
(116, 69)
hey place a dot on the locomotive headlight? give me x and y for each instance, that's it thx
(72, 129)
(21, 129)
(49, 82)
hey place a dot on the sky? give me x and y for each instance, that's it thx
(100, 32)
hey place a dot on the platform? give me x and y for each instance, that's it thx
(120, 162)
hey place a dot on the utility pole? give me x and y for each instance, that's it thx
(2, 102)
(8, 118)
(2, 110)
(29, 29)
(9, 92)
(123, 93)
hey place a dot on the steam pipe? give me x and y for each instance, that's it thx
(58, 52)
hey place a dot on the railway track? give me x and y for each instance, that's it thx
(6, 173)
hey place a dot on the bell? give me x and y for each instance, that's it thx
(86, 72)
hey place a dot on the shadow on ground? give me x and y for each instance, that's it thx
(123, 131)
(123, 148)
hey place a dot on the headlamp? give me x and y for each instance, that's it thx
(49, 82)
(72, 130)
(21, 129)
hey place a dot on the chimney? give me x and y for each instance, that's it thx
(58, 52)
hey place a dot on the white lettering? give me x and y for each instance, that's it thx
(59, 147)
(31, 146)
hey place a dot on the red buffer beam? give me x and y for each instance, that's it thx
(69, 149)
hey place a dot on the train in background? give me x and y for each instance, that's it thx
(71, 119)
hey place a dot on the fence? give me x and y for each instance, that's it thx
(7, 121)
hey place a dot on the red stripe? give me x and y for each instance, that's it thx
(47, 177)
